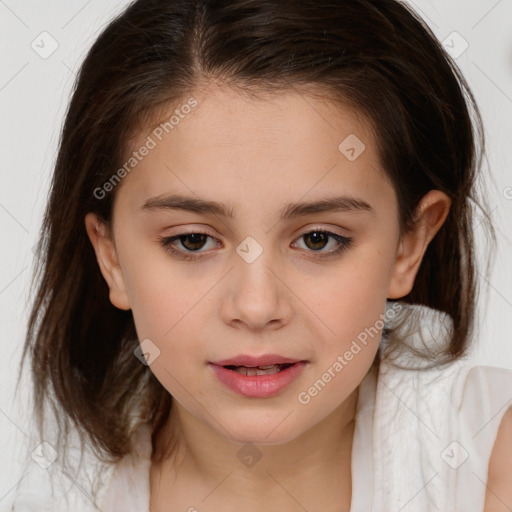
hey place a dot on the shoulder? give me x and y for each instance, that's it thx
(54, 488)
(487, 404)
(85, 483)
(52, 483)
(499, 491)
(129, 487)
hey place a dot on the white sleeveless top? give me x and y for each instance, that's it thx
(422, 441)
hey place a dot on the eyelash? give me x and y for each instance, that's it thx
(166, 243)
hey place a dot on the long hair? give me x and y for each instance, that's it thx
(376, 56)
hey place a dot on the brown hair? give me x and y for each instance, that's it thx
(374, 55)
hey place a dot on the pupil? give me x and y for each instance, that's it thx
(196, 238)
(317, 238)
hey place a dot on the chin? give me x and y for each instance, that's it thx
(267, 434)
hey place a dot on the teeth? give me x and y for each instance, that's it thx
(260, 370)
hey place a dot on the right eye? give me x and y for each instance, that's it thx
(191, 242)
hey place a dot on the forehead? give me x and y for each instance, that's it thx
(235, 148)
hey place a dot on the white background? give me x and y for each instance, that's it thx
(33, 98)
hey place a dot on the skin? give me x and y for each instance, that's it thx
(254, 156)
(498, 495)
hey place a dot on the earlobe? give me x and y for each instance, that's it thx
(108, 262)
(430, 216)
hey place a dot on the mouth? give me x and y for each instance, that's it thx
(264, 361)
(258, 377)
(258, 370)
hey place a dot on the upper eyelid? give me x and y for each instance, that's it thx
(199, 231)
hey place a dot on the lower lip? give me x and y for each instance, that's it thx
(258, 386)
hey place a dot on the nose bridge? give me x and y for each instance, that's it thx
(257, 295)
(252, 272)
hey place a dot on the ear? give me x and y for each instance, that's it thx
(106, 255)
(431, 213)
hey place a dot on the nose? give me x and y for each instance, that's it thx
(256, 296)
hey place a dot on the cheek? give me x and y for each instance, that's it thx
(353, 295)
(352, 304)
(165, 298)
(167, 309)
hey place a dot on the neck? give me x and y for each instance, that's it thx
(319, 458)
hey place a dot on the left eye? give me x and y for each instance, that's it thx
(318, 239)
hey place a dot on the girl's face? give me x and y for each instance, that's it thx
(274, 268)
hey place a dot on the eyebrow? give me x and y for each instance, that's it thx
(290, 210)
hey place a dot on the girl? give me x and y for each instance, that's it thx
(259, 209)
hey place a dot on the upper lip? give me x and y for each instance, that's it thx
(253, 361)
